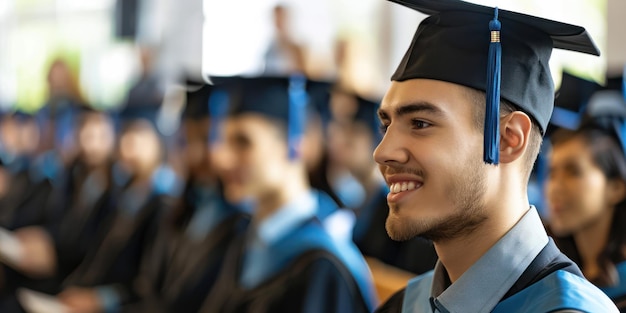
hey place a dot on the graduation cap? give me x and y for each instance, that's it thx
(500, 52)
(283, 99)
(197, 103)
(607, 110)
(571, 102)
(319, 98)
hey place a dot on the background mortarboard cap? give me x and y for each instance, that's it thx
(571, 102)
(319, 98)
(197, 103)
(607, 103)
(367, 113)
(452, 45)
(268, 96)
(607, 111)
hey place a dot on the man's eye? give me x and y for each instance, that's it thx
(420, 124)
(383, 128)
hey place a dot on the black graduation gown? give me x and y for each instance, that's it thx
(116, 261)
(416, 255)
(304, 285)
(26, 202)
(549, 260)
(179, 272)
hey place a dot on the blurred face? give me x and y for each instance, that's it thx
(351, 146)
(196, 147)
(431, 158)
(576, 189)
(96, 139)
(140, 149)
(252, 159)
(10, 135)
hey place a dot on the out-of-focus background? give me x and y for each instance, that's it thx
(99, 39)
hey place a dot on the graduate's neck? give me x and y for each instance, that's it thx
(591, 240)
(460, 253)
(296, 184)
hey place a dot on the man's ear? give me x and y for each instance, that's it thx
(514, 136)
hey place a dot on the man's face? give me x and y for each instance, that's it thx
(196, 147)
(431, 158)
(252, 159)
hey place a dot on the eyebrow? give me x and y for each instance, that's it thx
(412, 108)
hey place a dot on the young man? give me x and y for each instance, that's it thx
(494, 255)
(287, 261)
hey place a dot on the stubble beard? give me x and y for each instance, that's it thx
(466, 193)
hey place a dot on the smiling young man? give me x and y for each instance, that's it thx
(463, 122)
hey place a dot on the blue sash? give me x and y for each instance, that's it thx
(558, 291)
(311, 236)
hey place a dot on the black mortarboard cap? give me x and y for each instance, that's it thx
(607, 110)
(280, 98)
(197, 103)
(366, 113)
(571, 102)
(319, 98)
(454, 45)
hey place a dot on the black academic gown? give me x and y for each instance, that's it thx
(303, 285)
(549, 260)
(26, 203)
(180, 270)
(116, 261)
(416, 255)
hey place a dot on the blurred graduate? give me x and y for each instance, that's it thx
(286, 261)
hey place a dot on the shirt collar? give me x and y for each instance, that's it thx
(286, 218)
(482, 286)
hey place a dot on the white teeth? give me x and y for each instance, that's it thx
(403, 186)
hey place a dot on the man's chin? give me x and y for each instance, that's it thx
(401, 229)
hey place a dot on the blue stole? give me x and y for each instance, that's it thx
(559, 290)
(311, 236)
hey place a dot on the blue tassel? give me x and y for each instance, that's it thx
(492, 114)
(218, 106)
(297, 114)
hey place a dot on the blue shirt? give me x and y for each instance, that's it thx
(479, 289)
(259, 260)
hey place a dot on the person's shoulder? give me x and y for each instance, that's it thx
(561, 291)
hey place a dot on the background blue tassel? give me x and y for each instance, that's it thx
(297, 114)
(492, 114)
(218, 105)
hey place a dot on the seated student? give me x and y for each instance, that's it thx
(463, 120)
(112, 263)
(106, 275)
(27, 189)
(286, 262)
(191, 242)
(586, 193)
(85, 197)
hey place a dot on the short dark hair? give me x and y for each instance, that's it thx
(506, 107)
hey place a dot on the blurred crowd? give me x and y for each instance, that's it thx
(102, 212)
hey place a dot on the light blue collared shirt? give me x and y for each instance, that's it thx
(482, 286)
(259, 260)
